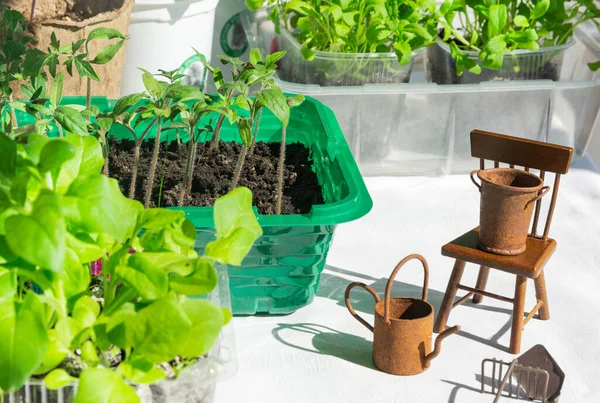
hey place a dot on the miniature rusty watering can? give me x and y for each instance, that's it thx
(402, 335)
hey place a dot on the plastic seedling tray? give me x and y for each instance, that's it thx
(281, 272)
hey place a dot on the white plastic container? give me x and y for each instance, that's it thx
(162, 35)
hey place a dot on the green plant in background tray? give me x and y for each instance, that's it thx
(356, 26)
(492, 28)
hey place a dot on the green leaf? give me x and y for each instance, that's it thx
(54, 154)
(207, 320)
(159, 343)
(8, 282)
(540, 9)
(254, 5)
(96, 204)
(86, 252)
(8, 156)
(23, 340)
(71, 120)
(104, 33)
(108, 53)
(54, 355)
(58, 378)
(126, 102)
(404, 52)
(236, 226)
(67, 329)
(103, 385)
(594, 66)
(202, 280)
(149, 281)
(255, 57)
(86, 310)
(88, 161)
(184, 93)
(274, 100)
(497, 20)
(296, 100)
(56, 89)
(243, 125)
(307, 53)
(521, 21)
(154, 218)
(141, 371)
(152, 85)
(85, 69)
(39, 238)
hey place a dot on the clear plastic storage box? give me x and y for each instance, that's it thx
(423, 128)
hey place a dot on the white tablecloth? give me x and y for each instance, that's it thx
(321, 354)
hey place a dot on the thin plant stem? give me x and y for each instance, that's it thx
(153, 166)
(238, 168)
(280, 168)
(162, 176)
(214, 143)
(32, 13)
(136, 154)
(253, 144)
(136, 162)
(178, 145)
(106, 153)
(60, 131)
(88, 101)
(188, 188)
(13, 115)
(183, 191)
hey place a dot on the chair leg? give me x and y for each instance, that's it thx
(482, 279)
(448, 301)
(540, 295)
(518, 312)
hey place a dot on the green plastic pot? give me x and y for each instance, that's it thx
(281, 272)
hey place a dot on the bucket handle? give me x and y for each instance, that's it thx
(543, 191)
(349, 304)
(390, 282)
(473, 179)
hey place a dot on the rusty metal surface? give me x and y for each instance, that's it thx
(403, 328)
(507, 204)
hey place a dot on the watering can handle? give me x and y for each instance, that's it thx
(349, 304)
(388, 288)
(541, 194)
(473, 179)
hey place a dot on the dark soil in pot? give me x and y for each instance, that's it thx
(441, 68)
(213, 174)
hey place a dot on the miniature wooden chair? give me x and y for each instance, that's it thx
(528, 265)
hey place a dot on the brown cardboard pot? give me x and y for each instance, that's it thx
(71, 31)
(507, 199)
(403, 327)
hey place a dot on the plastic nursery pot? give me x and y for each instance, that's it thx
(195, 384)
(281, 272)
(508, 197)
(543, 64)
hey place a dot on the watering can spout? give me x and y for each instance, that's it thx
(438, 345)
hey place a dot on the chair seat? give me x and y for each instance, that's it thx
(528, 264)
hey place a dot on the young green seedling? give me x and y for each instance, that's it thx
(492, 29)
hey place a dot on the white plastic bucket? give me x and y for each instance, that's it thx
(162, 35)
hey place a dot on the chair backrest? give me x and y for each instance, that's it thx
(529, 154)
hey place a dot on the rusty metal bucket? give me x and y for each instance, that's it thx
(508, 196)
(403, 327)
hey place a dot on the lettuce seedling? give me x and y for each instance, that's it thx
(58, 215)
